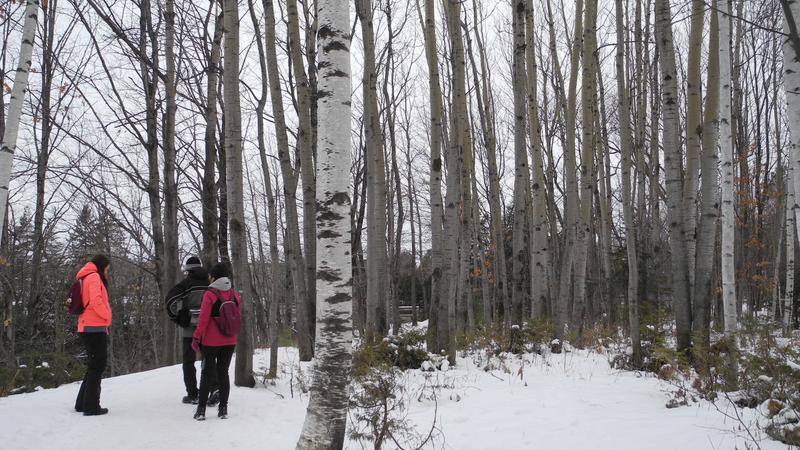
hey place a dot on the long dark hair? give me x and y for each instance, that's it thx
(101, 262)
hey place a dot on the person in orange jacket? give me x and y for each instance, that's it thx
(93, 325)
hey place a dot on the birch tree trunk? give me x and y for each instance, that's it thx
(521, 175)
(791, 81)
(709, 191)
(726, 152)
(673, 164)
(627, 202)
(788, 298)
(233, 155)
(11, 129)
(324, 427)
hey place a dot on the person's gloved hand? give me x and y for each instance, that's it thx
(196, 345)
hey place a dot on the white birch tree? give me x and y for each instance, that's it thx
(326, 417)
(791, 82)
(726, 158)
(11, 129)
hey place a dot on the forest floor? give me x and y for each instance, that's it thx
(572, 400)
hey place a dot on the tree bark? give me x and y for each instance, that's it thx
(209, 193)
(588, 185)
(726, 157)
(436, 113)
(233, 155)
(324, 427)
(272, 225)
(11, 127)
(673, 166)
(572, 201)
(519, 293)
(294, 257)
(627, 202)
(377, 259)
(694, 132)
(709, 194)
(170, 184)
(540, 264)
(305, 133)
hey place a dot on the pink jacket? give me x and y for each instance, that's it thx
(96, 316)
(207, 332)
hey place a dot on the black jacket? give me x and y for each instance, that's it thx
(184, 299)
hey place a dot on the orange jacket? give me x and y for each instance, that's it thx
(96, 315)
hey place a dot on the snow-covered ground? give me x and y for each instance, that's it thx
(567, 401)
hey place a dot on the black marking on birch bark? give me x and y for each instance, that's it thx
(437, 164)
(328, 216)
(335, 325)
(347, 103)
(322, 94)
(328, 234)
(338, 73)
(323, 65)
(339, 298)
(339, 198)
(7, 149)
(326, 32)
(328, 275)
(335, 45)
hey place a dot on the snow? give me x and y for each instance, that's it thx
(559, 401)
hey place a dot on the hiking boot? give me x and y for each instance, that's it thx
(96, 412)
(222, 411)
(190, 400)
(213, 399)
(200, 413)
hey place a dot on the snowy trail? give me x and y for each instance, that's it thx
(570, 401)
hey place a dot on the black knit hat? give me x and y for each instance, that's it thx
(220, 270)
(191, 262)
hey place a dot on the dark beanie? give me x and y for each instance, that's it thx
(191, 263)
(220, 270)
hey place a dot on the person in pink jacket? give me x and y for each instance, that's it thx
(217, 347)
(93, 326)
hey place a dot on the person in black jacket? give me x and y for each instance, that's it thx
(183, 308)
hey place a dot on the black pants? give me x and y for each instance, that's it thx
(217, 361)
(97, 354)
(189, 371)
